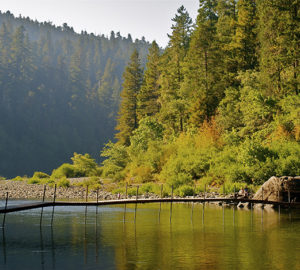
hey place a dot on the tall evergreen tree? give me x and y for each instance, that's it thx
(148, 96)
(128, 120)
(279, 33)
(245, 40)
(172, 105)
(202, 79)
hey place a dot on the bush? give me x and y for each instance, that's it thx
(40, 175)
(18, 178)
(141, 174)
(179, 179)
(33, 181)
(2, 178)
(63, 182)
(184, 191)
(66, 170)
(93, 182)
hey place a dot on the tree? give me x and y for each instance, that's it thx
(279, 45)
(128, 120)
(201, 87)
(148, 96)
(172, 105)
(245, 39)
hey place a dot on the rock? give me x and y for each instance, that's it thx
(241, 205)
(277, 188)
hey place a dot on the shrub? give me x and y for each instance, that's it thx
(184, 191)
(141, 174)
(40, 175)
(117, 159)
(66, 170)
(93, 182)
(179, 179)
(33, 181)
(2, 178)
(18, 178)
(63, 182)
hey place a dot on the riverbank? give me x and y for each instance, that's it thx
(23, 190)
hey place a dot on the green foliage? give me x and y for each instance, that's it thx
(63, 182)
(66, 170)
(40, 175)
(128, 119)
(93, 183)
(117, 159)
(147, 98)
(86, 165)
(33, 181)
(184, 190)
(2, 178)
(83, 165)
(18, 178)
(60, 89)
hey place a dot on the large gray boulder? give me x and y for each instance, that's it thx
(278, 189)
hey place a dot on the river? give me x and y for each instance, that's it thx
(151, 236)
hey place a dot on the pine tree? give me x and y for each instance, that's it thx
(172, 105)
(225, 32)
(128, 120)
(148, 96)
(245, 40)
(201, 86)
(279, 33)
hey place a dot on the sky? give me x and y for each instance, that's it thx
(149, 18)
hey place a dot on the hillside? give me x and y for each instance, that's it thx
(59, 92)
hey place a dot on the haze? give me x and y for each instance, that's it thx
(148, 18)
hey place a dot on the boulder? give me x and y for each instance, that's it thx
(277, 189)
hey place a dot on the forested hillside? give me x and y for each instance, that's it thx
(59, 92)
(220, 104)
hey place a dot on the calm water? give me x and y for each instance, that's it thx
(178, 236)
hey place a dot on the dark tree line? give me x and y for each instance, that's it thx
(59, 92)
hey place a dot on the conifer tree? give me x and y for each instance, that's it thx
(201, 84)
(279, 33)
(128, 120)
(172, 105)
(148, 96)
(245, 39)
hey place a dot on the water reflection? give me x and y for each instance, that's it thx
(4, 245)
(156, 236)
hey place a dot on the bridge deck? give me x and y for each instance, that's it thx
(16, 208)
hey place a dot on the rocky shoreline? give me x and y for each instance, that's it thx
(23, 190)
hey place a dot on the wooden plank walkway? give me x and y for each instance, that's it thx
(16, 208)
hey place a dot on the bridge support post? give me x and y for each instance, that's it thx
(262, 195)
(44, 193)
(43, 200)
(86, 193)
(137, 192)
(5, 207)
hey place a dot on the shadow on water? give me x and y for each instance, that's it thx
(4, 245)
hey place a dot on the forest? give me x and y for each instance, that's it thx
(219, 105)
(59, 92)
